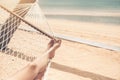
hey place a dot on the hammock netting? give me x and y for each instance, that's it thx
(24, 32)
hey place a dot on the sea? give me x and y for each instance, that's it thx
(102, 8)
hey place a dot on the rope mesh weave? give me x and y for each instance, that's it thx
(20, 39)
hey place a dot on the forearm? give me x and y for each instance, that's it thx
(41, 63)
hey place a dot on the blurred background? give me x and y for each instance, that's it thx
(100, 11)
(95, 24)
(96, 20)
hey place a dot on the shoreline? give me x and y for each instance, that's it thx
(81, 12)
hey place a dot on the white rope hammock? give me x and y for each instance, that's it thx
(23, 30)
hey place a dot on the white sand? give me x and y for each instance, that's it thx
(75, 61)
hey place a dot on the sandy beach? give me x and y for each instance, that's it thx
(89, 62)
(74, 60)
(105, 33)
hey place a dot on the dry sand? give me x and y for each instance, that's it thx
(76, 61)
(105, 33)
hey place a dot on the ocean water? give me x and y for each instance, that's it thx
(97, 19)
(109, 6)
(82, 4)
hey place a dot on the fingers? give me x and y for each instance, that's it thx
(52, 50)
(58, 43)
(50, 44)
(54, 41)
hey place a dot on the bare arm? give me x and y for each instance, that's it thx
(30, 72)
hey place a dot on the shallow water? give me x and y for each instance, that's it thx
(109, 6)
(83, 18)
(82, 4)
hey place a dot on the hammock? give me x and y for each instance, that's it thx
(24, 31)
